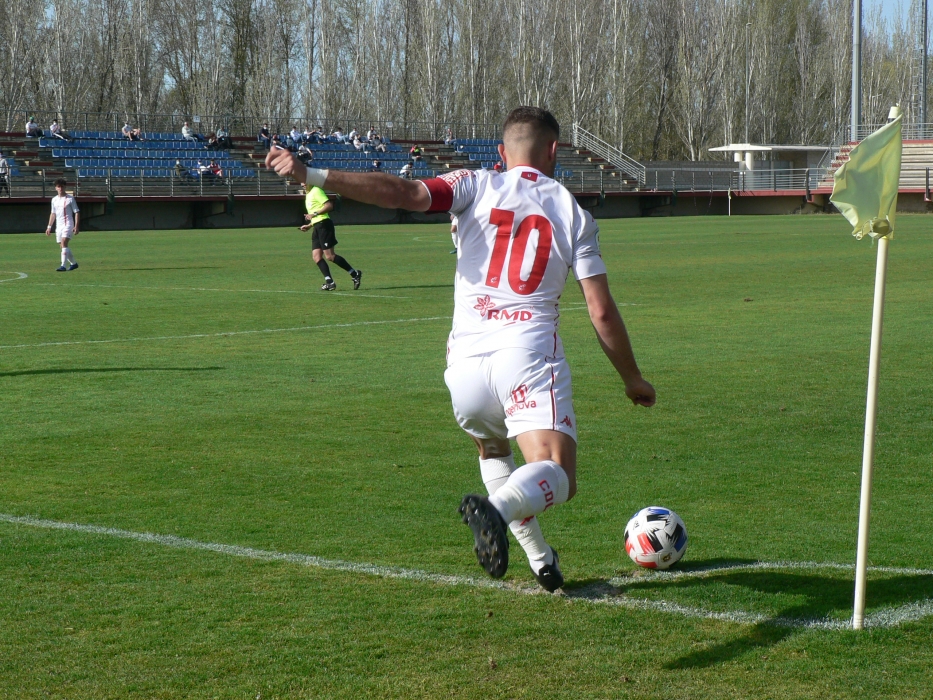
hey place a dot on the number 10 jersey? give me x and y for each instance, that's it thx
(519, 233)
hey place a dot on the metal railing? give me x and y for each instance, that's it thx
(265, 184)
(909, 132)
(631, 167)
(241, 125)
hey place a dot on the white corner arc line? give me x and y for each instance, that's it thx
(22, 276)
(226, 333)
(600, 594)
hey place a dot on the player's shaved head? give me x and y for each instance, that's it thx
(530, 124)
(529, 137)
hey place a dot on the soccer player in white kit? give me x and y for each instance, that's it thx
(66, 217)
(519, 234)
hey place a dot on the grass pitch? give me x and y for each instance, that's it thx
(198, 385)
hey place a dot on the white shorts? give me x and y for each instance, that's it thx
(64, 234)
(511, 391)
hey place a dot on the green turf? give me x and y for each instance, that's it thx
(333, 437)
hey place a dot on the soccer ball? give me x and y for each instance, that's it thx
(655, 538)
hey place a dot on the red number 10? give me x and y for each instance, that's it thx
(503, 219)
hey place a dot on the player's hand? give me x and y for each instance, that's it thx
(286, 164)
(307, 217)
(640, 392)
(48, 231)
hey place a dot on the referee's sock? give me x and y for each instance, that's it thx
(325, 270)
(341, 261)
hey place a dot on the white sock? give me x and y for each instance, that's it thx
(530, 490)
(64, 255)
(496, 473)
(68, 256)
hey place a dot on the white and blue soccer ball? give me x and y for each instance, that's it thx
(655, 538)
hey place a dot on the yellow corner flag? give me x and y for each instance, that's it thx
(865, 187)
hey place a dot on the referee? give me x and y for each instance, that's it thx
(324, 239)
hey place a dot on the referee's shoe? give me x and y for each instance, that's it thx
(357, 277)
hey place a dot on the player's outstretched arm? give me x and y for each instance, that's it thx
(380, 189)
(614, 340)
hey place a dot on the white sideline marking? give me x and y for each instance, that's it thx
(227, 333)
(208, 289)
(22, 276)
(606, 594)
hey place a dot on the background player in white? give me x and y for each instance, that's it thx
(519, 235)
(66, 217)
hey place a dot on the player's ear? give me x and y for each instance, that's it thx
(501, 148)
(552, 150)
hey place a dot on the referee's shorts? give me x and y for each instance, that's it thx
(323, 235)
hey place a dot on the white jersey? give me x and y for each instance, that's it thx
(519, 233)
(64, 207)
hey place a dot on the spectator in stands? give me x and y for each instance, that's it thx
(32, 129)
(406, 171)
(354, 134)
(130, 133)
(181, 172)
(216, 171)
(190, 134)
(370, 133)
(55, 130)
(223, 139)
(378, 145)
(296, 137)
(205, 172)
(305, 154)
(377, 166)
(4, 176)
(416, 153)
(448, 137)
(264, 138)
(320, 135)
(358, 144)
(338, 136)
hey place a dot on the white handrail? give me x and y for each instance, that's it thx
(584, 139)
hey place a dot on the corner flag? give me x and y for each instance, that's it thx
(865, 191)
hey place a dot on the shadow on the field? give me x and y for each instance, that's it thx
(149, 269)
(818, 598)
(86, 370)
(417, 286)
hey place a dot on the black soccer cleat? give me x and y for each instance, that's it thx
(61, 269)
(549, 577)
(329, 286)
(72, 267)
(491, 544)
(357, 278)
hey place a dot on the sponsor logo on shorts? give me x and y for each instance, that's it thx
(566, 420)
(520, 401)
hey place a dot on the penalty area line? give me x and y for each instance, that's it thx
(294, 329)
(600, 593)
(21, 276)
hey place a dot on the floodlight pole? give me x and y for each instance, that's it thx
(868, 450)
(856, 69)
(923, 71)
(747, 79)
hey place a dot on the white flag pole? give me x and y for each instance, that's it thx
(868, 451)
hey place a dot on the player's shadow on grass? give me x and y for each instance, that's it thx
(86, 370)
(818, 598)
(417, 286)
(150, 269)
